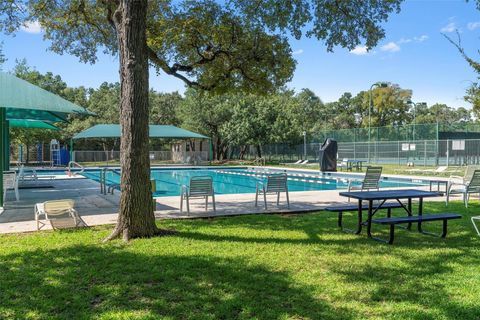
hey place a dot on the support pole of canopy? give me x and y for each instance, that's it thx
(2, 153)
(7, 145)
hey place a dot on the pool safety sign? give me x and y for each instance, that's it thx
(458, 144)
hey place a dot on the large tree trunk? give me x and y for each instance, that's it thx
(136, 217)
(259, 151)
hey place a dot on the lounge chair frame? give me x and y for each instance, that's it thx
(10, 182)
(275, 184)
(54, 208)
(370, 181)
(472, 186)
(199, 187)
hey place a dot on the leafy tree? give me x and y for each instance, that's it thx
(163, 108)
(473, 96)
(251, 121)
(390, 106)
(206, 114)
(442, 113)
(341, 113)
(48, 81)
(214, 46)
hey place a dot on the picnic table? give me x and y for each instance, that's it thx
(401, 196)
(358, 164)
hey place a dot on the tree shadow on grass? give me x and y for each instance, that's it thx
(419, 283)
(90, 281)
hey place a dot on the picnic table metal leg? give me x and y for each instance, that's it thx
(359, 222)
(420, 212)
(369, 218)
(409, 212)
(420, 229)
(444, 229)
(392, 234)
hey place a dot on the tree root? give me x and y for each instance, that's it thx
(123, 232)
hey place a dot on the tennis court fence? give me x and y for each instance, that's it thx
(419, 152)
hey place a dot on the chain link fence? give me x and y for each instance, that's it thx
(420, 152)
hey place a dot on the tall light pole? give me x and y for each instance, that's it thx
(370, 106)
(415, 114)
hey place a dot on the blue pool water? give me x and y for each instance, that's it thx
(243, 180)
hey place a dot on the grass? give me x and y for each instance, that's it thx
(250, 267)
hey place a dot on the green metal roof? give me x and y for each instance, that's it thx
(16, 123)
(17, 94)
(49, 116)
(156, 131)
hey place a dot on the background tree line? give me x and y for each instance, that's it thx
(235, 121)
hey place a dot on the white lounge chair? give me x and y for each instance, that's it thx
(276, 184)
(304, 162)
(10, 182)
(298, 162)
(467, 188)
(441, 169)
(199, 187)
(25, 174)
(56, 209)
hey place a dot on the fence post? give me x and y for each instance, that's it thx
(424, 153)
(448, 151)
(398, 151)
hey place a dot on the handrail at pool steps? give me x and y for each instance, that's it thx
(73, 164)
(104, 187)
(259, 162)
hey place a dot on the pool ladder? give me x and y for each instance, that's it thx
(104, 186)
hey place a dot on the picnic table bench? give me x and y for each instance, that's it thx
(420, 218)
(353, 207)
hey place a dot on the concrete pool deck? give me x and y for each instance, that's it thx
(98, 209)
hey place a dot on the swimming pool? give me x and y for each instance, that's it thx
(244, 180)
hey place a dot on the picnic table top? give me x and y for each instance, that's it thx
(390, 194)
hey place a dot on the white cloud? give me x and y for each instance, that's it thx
(299, 51)
(421, 38)
(359, 50)
(390, 47)
(450, 27)
(473, 25)
(32, 27)
(404, 40)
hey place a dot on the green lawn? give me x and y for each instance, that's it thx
(250, 267)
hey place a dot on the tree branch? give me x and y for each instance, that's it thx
(474, 64)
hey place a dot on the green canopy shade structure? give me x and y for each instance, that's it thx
(21, 100)
(33, 124)
(156, 131)
(16, 93)
(36, 115)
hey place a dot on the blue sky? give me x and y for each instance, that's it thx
(414, 54)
